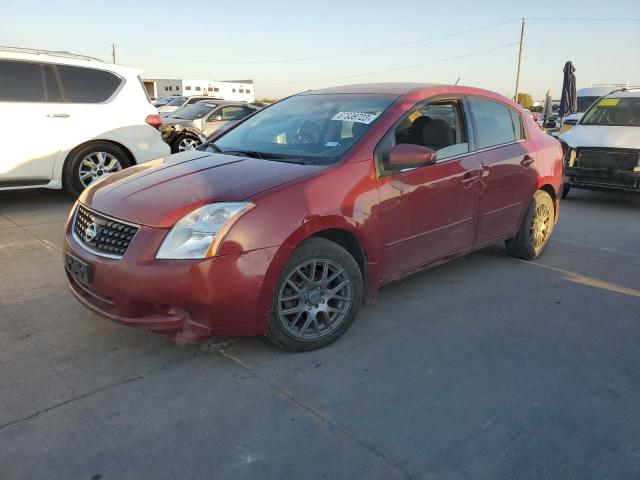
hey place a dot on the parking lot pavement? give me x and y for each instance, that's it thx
(487, 367)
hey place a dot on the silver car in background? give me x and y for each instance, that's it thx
(189, 127)
(179, 102)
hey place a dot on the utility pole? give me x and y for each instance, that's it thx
(113, 54)
(515, 96)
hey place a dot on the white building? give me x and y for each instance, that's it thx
(241, 90)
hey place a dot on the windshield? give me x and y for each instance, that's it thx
(584, 103)
(618, 112)
(177, 102)
(192, 112)
(315, 129)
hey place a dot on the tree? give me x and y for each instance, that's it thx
(525, 100)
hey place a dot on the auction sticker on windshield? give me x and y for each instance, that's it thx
(355, 117)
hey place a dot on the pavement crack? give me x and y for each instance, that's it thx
(90, 393)
(313, 412)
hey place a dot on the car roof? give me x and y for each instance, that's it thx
(388, 88)
(65, 58)
(222, 102)
(413, 91)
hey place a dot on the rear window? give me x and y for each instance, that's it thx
(192, 112)
(21, 82)
(88, 85)
(493, 123)
(177, 102)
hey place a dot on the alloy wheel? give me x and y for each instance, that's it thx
(314, 299)
(95, 165)
(187, 143)
(540, 226)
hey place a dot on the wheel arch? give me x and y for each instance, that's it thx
(132, 159)
(339, 229)
(547, 187)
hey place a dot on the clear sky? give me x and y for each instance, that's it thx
(242, 39)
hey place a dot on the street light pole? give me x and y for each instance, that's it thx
(515, 96)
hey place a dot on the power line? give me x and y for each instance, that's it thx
(406, 67)
(584, 19)
(340, 54)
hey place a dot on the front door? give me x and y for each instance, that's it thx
(428, 213)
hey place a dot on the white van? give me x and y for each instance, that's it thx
(67, 120)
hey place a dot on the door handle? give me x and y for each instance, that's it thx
(469, 177)
(527, 161)
(58, 115)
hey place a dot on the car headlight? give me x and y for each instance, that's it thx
(199, 233)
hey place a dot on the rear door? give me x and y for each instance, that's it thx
(33, 122)
(507, 160)
(428, 213)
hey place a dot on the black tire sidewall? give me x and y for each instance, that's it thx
(308, 250)
(70, 177)
(520, 245)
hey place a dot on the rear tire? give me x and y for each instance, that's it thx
(565, 190)
(317, 296)
(90, 162)
(182, 143)
(536, 228)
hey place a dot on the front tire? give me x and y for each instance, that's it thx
(536, 228)
(317, 297)
(565, 190)
(89, 163)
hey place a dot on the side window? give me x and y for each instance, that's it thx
(21, 82)
(51, 87)
(518, 126)
(231, 113)
(437, 125)
(493, 123)
(87, 85)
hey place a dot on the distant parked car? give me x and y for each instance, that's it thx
(189, 127)
(603, 150)
(285, 223)
(179, 102)
(68, 120)
(162, 101)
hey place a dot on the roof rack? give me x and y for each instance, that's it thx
(55, 53)
(624, 89)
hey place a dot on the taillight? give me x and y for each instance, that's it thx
(154, 120)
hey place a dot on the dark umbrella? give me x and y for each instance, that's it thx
(568, 101)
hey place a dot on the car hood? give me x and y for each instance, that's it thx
(602, 136)
(160, 192)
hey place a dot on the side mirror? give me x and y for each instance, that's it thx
(408, 155)
(215, 118)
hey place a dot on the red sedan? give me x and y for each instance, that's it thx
(286, 223)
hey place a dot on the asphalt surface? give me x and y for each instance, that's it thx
(484, 368)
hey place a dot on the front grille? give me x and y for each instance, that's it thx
(605, 159)
(102, 235)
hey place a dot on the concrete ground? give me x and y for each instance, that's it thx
(484, 368)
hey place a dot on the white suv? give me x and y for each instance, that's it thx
(67, 120)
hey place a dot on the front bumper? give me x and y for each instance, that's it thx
(596, 179)
(187, 300)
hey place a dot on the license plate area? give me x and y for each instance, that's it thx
(78, 269)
